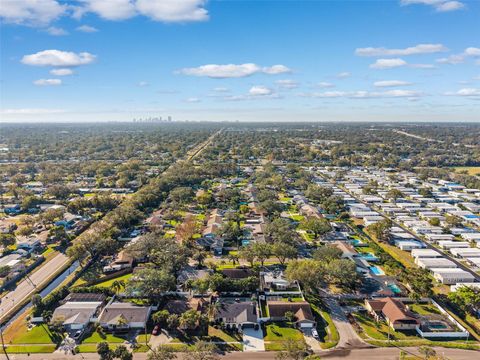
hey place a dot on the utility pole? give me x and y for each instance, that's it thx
(1, 336)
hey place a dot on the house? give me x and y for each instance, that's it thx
(179, 306)
(451, 276)
(393, 311)
(122, 261)
(466, 252)
(242, 314)
(124, 316)
(238, 273)
(76, 315)
(213, 224)
(28, 244)
(432, 263)
(425, 253)
(303, 313)
(274, 281)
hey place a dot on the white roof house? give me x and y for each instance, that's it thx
(448, 244)
(439, 237)
(408, 245)
(452, 276)
(474, 261)
(473, 236)
(466, 252)
(475, 285)
(432, 263)
(425, 253)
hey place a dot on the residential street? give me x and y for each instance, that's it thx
(29, 285)
(357, 354)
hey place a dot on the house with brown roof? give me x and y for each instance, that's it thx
(304, 318)
(395, 313)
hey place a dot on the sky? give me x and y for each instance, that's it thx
(238, 60)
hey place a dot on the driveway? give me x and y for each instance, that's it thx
(348, 337)
(253, 340)
(313, 343)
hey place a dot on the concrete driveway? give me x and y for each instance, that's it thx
(348, 337)
(253, 340)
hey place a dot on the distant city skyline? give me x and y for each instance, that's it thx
(116, 60)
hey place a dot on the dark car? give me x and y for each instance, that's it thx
(156, 330)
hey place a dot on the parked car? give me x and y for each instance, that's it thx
(315, 333)
(156, 330)
(77, 334)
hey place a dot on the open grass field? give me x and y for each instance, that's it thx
(471, 170)
(282, 332)
(95, 338)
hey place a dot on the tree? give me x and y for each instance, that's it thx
(466, 298)
(318, 193)
(122, 353)
(420, 280)
(434, 221)
(427, 351)
(262, 251)
(184, 232)
(7, 240)
(103, 349)
(190, 319)
(294, 350)
(205, 198)
(160, 317)
(118, 285)
(327, 253)
(150, 283)
(162, 352)
(453, 221)
(394, 194)
(4, 271)
(248, 254)
(308, 272)
(342, 272)
(203, 351)
(173, 321)
(381, 229)
(280, 230)
(284, 252)
(290, 316)
(317, 226)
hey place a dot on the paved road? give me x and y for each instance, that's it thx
(357, 354)
(26, 288)
(348, 336)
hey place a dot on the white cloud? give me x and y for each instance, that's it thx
(397, 62)
(47, 82)
(28, 111)
(232, 70)
(344, 75)
(86, 29)
(61, 72)
(414, 50)
(365, 94)
(438, 5)
(31, 12)
(58, 58)
(260, 90)
(157, 10)
(391, 83)
(221, 89)
(109, 9)
(460, 58)
(388, 63)
(143, 83)
(287, 84)
(193, 100)
(325, 84)
(173, 10)
(276, 69)
(465, 92)
(55, 31)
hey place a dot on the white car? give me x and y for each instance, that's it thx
(315, 333)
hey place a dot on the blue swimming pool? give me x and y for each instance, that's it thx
(245, 242)
(368, 256)
(394, 288)
(376, 270)
(356, 242)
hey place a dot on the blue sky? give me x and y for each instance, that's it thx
(107, 60)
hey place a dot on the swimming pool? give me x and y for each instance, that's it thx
(368, 256)
(356, 242)
(376, 270)
(245, 242)
(394, 288)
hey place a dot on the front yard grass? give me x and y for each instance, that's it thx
(282, 332)
(39, 334)
(95, 338)
(31, 349)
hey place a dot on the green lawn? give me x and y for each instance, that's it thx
(109, 282)
(37, 335)
(221, 335)
(95, 338)
(380, 331)
(32, 349)
(282, 332)
(424, 309)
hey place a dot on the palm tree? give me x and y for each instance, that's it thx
(233, 258)
(118, 285)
